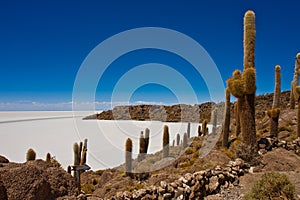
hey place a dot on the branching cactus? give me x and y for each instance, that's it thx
(295, 81)
(166, 139)
(30, 155)
(185, 141)
(142, 149)
(188, 130)
(275, 111)
(243, 85)
(178, 139)
(226, 122)
(147, 137)
(128, 157)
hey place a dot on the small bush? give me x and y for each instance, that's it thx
(287, 128)
(248, 154)
(88, 188)
(30, 155)
(228, 153)
(272, 186)
(134, 187)
(189, 150)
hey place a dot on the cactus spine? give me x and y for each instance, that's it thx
(166, 142)
(275, 111)
(147, 135)
(226, 122)
(128, 157)
(142, 149)
(30, 155)
(295, 81)
(177, 139)
(185, 141)
(188, 130)
(243, 86)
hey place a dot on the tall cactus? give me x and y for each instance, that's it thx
(76, 157)
(177, 139)
(147, 135)
(199, 131)
(243, 86)
(48, 158)
(142, 149)
(237, 118)
(188, 130)
(226, 122)
(297, 98)
(204, 127)
(128, 157)
(166, 139)
(214, 120)
(295, 81)
(275, 111)
(185, 140)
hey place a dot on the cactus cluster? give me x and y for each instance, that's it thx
(243, 85)
(80, 157)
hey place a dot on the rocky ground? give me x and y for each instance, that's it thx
(182, 175)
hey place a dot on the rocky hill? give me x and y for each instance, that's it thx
(182, 112)
(35, 180)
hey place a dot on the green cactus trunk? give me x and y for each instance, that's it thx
(166, 139)
(128, 157)
(226, 122)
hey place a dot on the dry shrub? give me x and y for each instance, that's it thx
(272, 185)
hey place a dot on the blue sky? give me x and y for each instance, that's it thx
(43, 44)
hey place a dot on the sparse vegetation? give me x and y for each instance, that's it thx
(272, 186)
